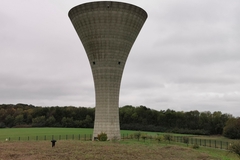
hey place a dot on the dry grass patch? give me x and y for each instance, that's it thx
(87, 150)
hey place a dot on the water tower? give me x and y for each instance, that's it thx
(107, 31)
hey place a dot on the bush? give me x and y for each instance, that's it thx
(235, 148)
(167, 137)
(2, 125)
(144, 136)
(137, 135)
(102, 136)
(186, 140)
(231, 130)
(195, 146)
(159, 138)
(190, 131)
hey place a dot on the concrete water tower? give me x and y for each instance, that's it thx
(107, 30)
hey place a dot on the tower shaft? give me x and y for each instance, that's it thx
(107, 31)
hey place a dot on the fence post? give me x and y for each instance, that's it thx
(90, 138)
(59, 137)
(28, 138)
(19, 138)
(85, 137)
(36, 138)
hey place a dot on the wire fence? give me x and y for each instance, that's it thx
(218, 144)
(84, 137)
(212, 143)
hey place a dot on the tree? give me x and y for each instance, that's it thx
(50, 122)
(19, 119)
(2, 114)
(232, 128)
(9, 121)
(39, 121)
(205, 121)
(67, 122)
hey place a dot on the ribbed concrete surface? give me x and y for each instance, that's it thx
(107, 31)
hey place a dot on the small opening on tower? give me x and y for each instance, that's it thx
(108, 6)
(119, 63)
(94, 63)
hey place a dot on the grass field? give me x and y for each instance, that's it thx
(23, 145)
(24, 133)
(15, 133)
(88, 150)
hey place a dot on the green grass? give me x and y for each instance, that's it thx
(24, 133)
(221, 154)
(32, 133)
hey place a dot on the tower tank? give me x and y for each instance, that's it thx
(107, 31)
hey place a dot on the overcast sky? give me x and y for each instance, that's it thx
(186, 57)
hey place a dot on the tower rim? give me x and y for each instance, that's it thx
(108, 3)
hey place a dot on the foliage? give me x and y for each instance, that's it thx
(137, 135)
(235, 148)
(167, 137)
(102, 136)
(186, 140)
(144, 136)
(2, 125)
(39, 121)
(192, 122)
(9, 121)
(232, 128)
(131, 118)
(159, 138)
(195, 146)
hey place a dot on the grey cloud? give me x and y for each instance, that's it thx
(186, 56)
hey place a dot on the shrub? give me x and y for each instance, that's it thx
(102, 136)
(144, 136)
(235, 148)
(195, 146)
(115, 139)
(137, 135)
(159, 138)
(186, 140)
(167, 137)
(2, 125)
(131, 136)
(231, 130)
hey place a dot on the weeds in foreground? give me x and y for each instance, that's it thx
(235, 148)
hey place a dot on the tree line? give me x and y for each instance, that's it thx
(131, 118)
